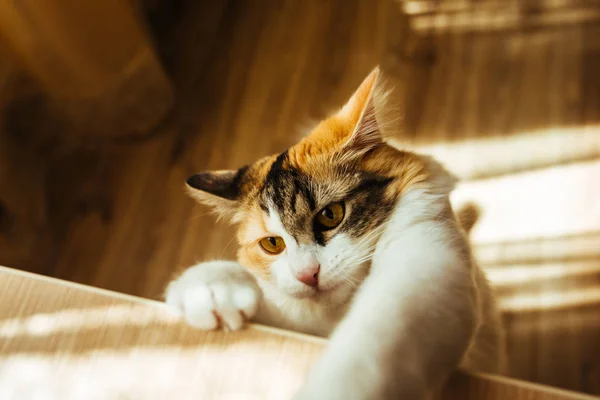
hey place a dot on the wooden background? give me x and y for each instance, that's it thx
(507, 94)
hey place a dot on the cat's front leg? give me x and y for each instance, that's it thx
(215, 294)
(409, 326)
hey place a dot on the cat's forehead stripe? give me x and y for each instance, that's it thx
(286, 190)
(284, 183)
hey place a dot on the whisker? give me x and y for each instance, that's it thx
(371, 235)
(226, 246)
(349, 282)
(199, 215)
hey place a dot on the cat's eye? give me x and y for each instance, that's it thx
(272, 244)
(330, 216)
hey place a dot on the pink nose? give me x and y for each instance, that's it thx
(309, 276)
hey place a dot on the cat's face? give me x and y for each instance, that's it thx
(309, 218)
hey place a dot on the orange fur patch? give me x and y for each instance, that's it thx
(326, 138)
(250, 231)
(407, 168)
(331, 134)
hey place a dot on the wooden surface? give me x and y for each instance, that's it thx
(508, 97)
(65, 341)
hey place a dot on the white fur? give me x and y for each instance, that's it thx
(419, 296)
(214, 290)
(423, 309)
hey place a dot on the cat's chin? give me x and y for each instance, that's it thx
(309, 292)
(305, 293)
(330, 295)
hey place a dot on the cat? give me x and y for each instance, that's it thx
(346, 237)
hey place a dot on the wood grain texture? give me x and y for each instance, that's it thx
(66, 341)
(511, 104)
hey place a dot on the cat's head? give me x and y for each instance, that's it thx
(309, 218)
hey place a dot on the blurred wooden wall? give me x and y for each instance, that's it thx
(72, 74)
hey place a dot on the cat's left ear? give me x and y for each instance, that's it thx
(360, 111)
(220, 190)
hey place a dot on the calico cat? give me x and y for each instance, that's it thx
(345, 236)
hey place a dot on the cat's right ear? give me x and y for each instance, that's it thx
(220, 190)
(368, 114)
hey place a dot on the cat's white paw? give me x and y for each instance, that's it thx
(215, 294)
